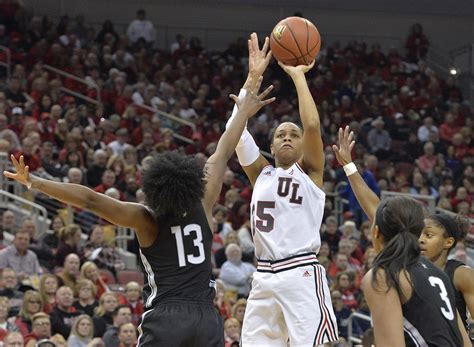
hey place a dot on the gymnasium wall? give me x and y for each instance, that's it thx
(449, 24)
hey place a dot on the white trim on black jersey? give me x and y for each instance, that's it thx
(140, 331)
(151, 280)
(414, 334)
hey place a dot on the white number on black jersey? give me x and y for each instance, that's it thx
(178, 234)
(448, 310)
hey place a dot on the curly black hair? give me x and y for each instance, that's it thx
(173, 183)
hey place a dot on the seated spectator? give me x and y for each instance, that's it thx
(96, 170)
(342, 314)
(69, 242)
(339, 264)
(236, 274)
(220, 302)
(103, 314)
(5, 325)
(362, 308)
(64, 314)
(82, 332)
(141, 28)
(232, 329)
(426, 129)
(103, 255)
(9, 289)
(18, 257)
(13, 339)
(127, 335)
(41, 329)
(331, 234)
(379, 139)
(51, 237)
(31, 304)
(133, 296)
(428, 160)
(121, 315)
(238, 310)
(346, 247)
(90, 271)
(48, 287)
(85, 292)
(70, 272)
(8, 223)
(348, 292)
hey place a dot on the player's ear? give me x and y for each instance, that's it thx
(449, 242)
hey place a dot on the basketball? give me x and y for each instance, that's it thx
(295, 41)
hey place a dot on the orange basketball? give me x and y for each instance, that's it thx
(295, 41)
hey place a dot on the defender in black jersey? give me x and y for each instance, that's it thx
(411, 301)
(440, 235)
(173, 232)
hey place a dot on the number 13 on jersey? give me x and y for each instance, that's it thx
(186, 231)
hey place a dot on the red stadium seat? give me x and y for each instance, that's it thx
(126, 276)
(109, 276)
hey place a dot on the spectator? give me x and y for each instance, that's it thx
(348, 292)
(49, 284)
(9, 289)
(235, 274)
(448, 128)
(341, 263)
(19, 258)
(51, 237)
(103, 314)
(232, 331)
(64, 314)
(417, 43)
(90, 271)
(342, 314)
(5, 326)
(41, 324)
(31, 304)
(95, 172)
(121, 315)
(331, 234)
(133, 295)
(238, 310)
(426, 129)
(13, 339)
(8, 223)
(427, 162)
(346, 247)
(68, 275)
(127, 335)
(81, 332)
(362, 308)
(69, 242)
(379, 140)
(141, 28)
(85, 292)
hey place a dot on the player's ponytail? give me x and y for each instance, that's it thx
(400, 221)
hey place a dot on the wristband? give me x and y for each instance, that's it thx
(350, 169)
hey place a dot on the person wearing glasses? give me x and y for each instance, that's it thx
(41, 329)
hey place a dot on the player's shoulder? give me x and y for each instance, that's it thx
(464, 278)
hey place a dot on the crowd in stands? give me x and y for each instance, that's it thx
(413, 131)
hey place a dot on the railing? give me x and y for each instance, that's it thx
(174, 122)
(26, 208)
(65, 74)
(8, 63)
(354, 339)
(427, 200)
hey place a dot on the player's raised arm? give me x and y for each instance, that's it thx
(248, 153)
(313, 151)
(125, 214)
(217, 163)
(367, 199)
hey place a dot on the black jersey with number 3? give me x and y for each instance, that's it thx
(178, 265)
(430, 317)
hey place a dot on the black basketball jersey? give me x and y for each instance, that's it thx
(178, 265)
(430, 315)
(449, 269)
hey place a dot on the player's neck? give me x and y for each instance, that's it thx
(441, 261)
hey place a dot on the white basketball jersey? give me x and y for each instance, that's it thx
(286, 213)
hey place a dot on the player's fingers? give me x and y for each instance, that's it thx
(22, 161)
(268, 101)
(9, 174)
(254, 41)
(312, 64)
(265, 92)
(15, 162)
(351, 136)
(351, 146)
(265, 45)
(27, 170)
(346, 132)
(249, 42)
(269, 56)
(339, 135)
(335, 149)
(235, 98)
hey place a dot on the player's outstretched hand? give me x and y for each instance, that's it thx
(22, 171)
(252, 101)
(295, 70)
(258, 58)
(346, 144)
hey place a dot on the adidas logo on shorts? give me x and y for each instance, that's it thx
(306, 274)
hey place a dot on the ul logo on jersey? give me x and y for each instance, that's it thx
(285, 185)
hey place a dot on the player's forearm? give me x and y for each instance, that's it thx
(231, 136)
(367, 199)
(251, 81)
(69, 193)
(307, 107)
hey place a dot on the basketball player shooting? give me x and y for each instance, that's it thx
(290, 298)
(173, 232)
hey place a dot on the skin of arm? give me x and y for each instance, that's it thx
(464, 282)
(217, 163)
(367, 199)
(313, 149)
(383, 304)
